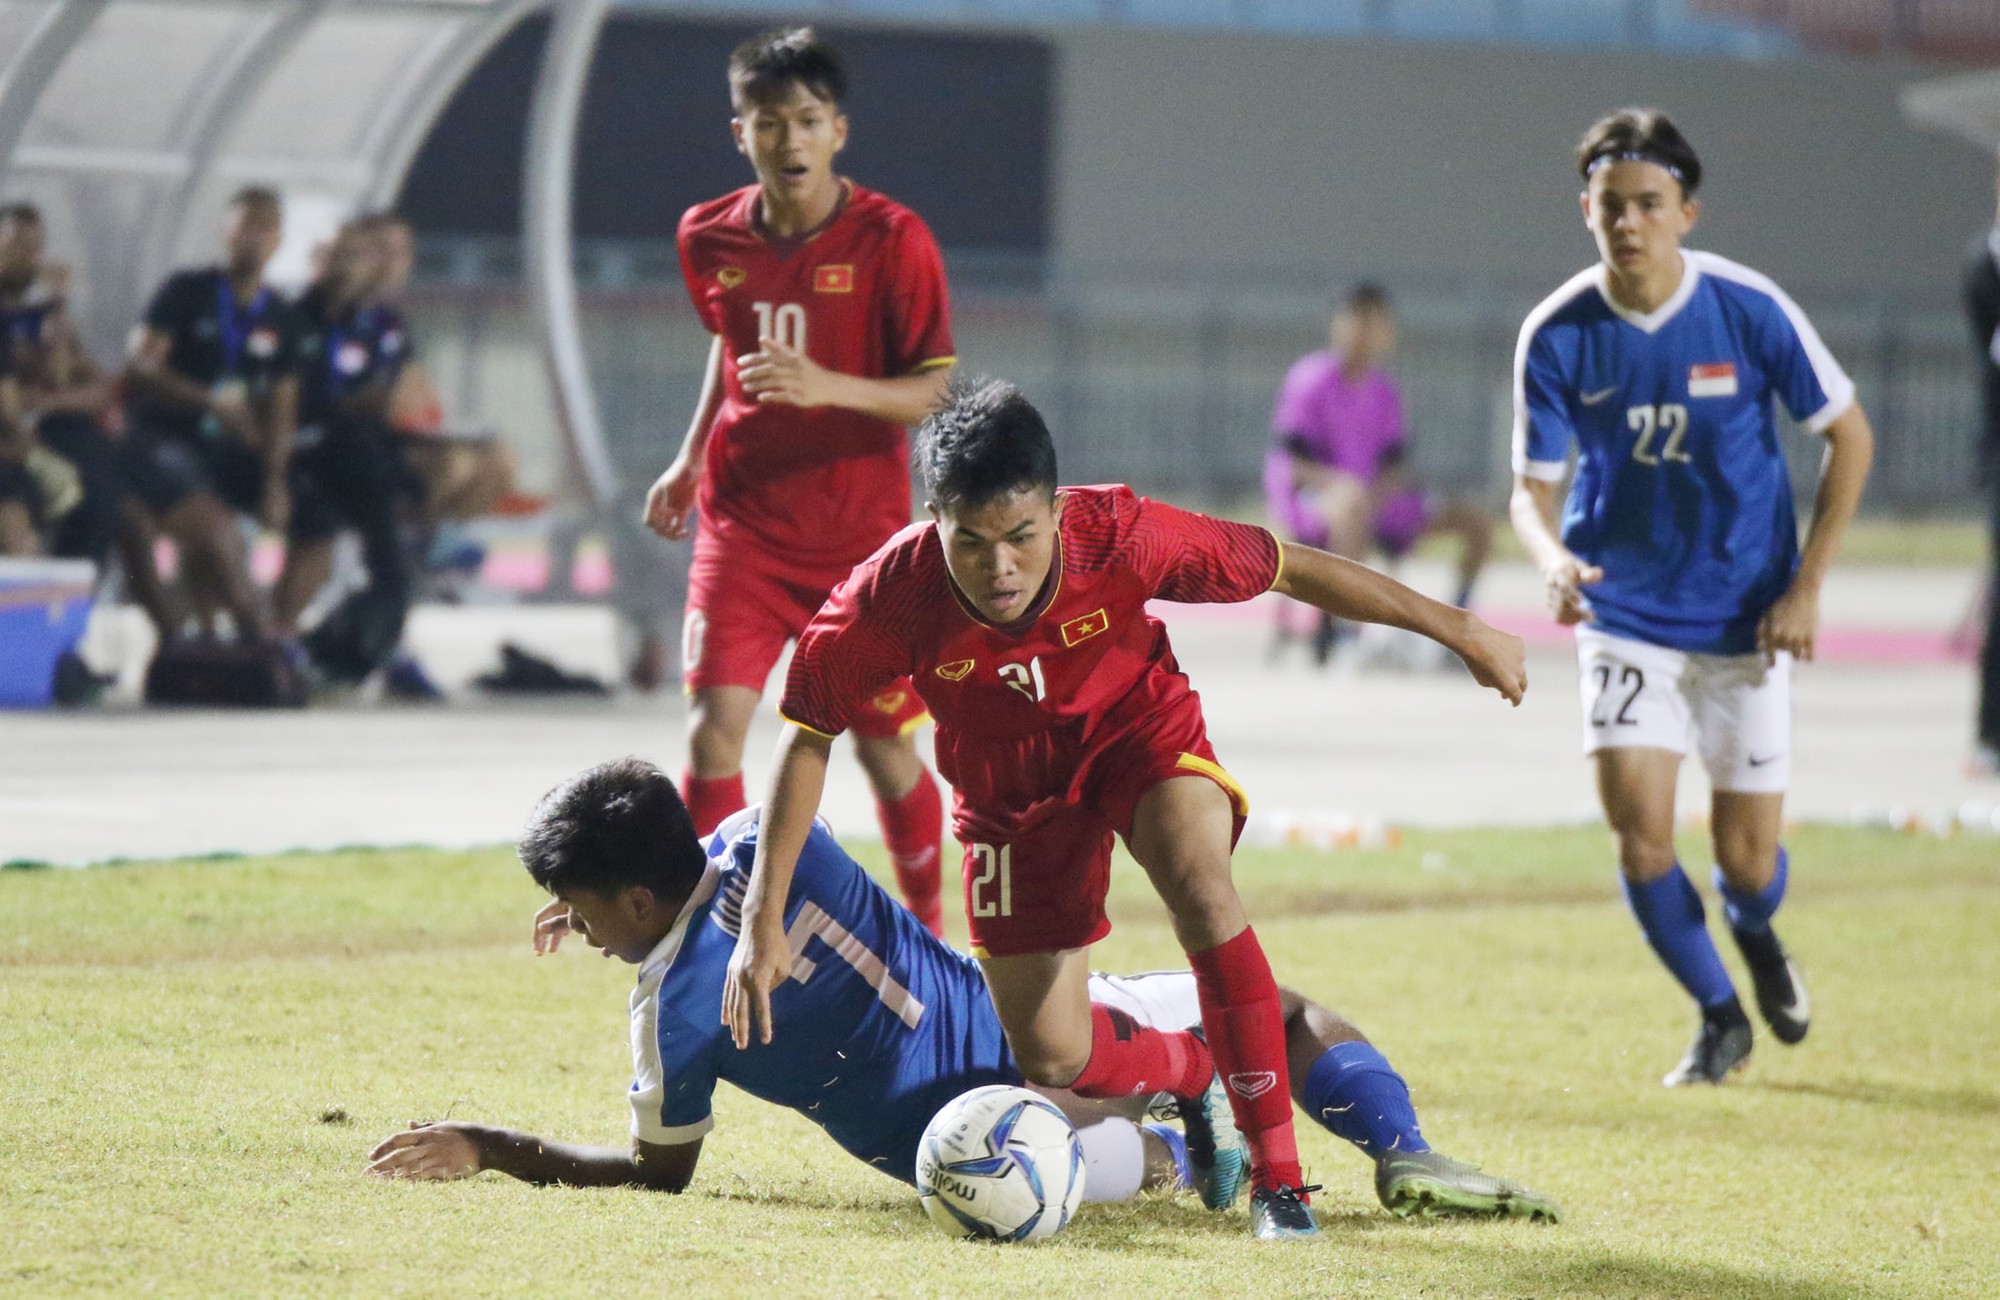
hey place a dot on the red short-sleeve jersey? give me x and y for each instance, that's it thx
(864, 296)
(1086, 660)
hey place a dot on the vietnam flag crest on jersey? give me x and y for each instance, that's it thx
(1085, 627)
(834, 279)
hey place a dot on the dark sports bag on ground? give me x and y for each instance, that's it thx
(358, 636)
(225, 674)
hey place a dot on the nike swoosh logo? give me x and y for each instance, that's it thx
(1768, 758)
(1592, 399)
(1800, 1007)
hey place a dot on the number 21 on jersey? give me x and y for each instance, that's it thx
(1027, 679)
(993, 886)
(783, 321)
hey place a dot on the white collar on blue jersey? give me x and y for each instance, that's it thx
(1652, 321)
(669, 946)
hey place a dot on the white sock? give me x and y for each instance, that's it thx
(1114, 1157)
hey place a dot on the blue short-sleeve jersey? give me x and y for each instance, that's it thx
(1681, 492)
(878, 1027)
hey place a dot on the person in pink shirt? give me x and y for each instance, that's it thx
(1336, 476)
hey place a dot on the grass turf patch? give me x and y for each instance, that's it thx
(199, 1054)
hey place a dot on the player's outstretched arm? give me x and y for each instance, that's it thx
(779, 373)
(672, 496)
(1793, 622)
(763, 956)
(450, 1150)
(1533, 511)
(1355, 591)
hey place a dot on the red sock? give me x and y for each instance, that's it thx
(913, 828)
(711, 798)
(1129, 1060)
(1246, 1032)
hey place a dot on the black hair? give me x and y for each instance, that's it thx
(984, 442)
(257, 196)
(612, 826)
(22, 211)
(762, 67)
(1365, 295)
(1642, 134)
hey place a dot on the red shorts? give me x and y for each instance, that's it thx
(1036, 881)
(742, 607)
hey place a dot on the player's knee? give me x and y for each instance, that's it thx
(1643, 856)
(1744, 852)
(715, 737)
(1051, 1065)
(1195, 886)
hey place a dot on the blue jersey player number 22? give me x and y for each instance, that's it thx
(1677, 554)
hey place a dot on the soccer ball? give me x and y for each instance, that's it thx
(1000, 1163)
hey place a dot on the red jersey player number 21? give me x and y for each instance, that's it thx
(1019, 615)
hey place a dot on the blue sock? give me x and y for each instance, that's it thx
(1355, 1094)
(1752, 913)
(1670, 912)
(1176, 1147)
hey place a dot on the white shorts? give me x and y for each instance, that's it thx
(1161, 999)
(1639, 695)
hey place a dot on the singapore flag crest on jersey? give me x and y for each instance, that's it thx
(1717, 380)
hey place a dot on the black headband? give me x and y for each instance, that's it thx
(1632, 155)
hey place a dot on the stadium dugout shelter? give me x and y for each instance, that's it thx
(131, 122)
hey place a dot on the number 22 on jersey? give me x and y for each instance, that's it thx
(783, 321)
(1669, 420)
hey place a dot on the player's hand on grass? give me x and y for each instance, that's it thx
(1790, 624)
(1496, 659)
(777, 372)
(671, 499)
(438, 1152)
(762, 961)
(551, 924)
(1562, 584)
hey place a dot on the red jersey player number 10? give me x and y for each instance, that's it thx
(782, 322)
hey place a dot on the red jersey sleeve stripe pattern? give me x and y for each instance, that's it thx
(863, 638)
(1199, 560)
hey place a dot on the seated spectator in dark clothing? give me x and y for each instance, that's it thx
(344, 472)
(459, 477)
(66, 402)
(19, 499)
(214, 389)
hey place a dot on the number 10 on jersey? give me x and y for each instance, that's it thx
(784, 321)
(993, 886)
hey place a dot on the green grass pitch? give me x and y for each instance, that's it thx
(195, 1056)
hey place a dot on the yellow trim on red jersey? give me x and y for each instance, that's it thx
(1279, 575)
(979, 952)
(1214, 772)
(933, 364)
(914, 723)
(824, 735)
